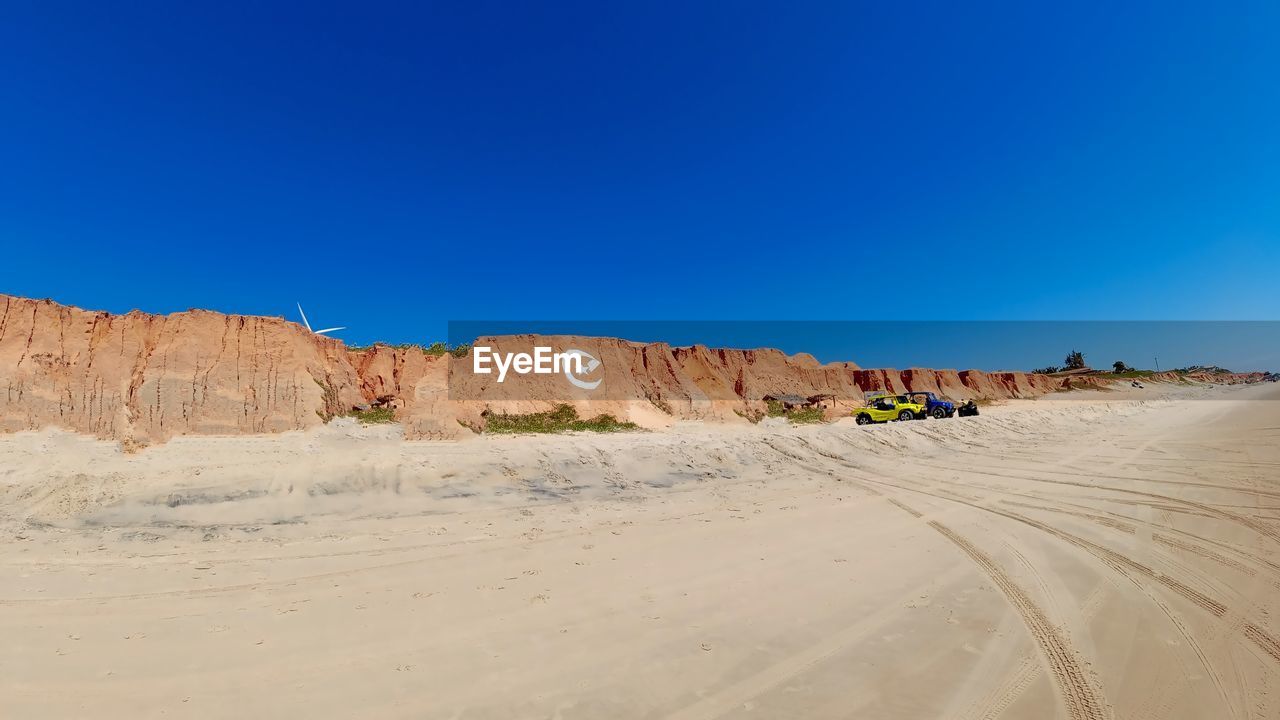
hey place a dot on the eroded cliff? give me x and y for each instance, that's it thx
(141, 378)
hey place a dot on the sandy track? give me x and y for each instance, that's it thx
(1079, 694)
(1092, 558)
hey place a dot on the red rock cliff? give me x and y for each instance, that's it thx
(142, 378)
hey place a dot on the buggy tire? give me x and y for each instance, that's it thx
(863, 419)
(906, 415)
(939, 413)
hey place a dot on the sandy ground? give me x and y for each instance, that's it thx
(1080, 556)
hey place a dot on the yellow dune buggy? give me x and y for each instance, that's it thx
(883, 408)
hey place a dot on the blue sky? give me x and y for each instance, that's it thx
(960, 344)
(396, 166)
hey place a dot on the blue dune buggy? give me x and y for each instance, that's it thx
(934, 406)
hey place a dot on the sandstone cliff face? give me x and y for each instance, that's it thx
(142, 378)
(737, 374)
(652, 384)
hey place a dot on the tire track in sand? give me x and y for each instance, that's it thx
(1260, 637)
(1203, 552)
(1125, 568)
(998, 699)
(1125, 565)
(1083, 700)
(1259, 527)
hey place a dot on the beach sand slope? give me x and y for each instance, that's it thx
(1080, 556)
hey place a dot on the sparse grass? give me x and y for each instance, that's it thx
(374, 416)
(564, 418)
(1212, 369)
(330, 396)
(1126, 375)
(802, 416)
(752, 416)
(435, 349)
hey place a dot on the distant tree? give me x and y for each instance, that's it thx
(1051, 369)
(1075, 360)
(1120, 366)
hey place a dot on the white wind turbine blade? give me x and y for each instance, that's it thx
(304, 317)
(321, 332)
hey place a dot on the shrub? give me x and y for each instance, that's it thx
(563, 418)
(439, 349)
(802, 416)
(375, 416)
(775, 408)
(372, 416)
(435, 349)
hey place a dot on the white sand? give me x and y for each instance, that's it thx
(1080, 556)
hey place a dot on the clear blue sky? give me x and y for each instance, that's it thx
(396, 166)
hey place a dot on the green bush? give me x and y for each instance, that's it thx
(375, 416)
(805, 415)
(438, 349)
(563, 418)
(435, 349)
(775, 408)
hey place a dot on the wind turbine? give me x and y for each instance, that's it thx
(317, 332)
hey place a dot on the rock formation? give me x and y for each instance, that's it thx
(141, 378)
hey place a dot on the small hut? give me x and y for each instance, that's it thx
(826, 401)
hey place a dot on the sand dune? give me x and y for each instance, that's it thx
(1079, 556)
